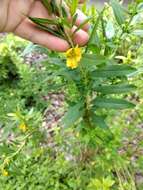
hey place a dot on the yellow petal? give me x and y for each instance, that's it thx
(69, 51)
(5, 173)
(72, 63)
(23, 127)
(74, 56)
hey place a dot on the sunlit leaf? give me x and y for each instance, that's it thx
(119, 11)
(109, 30)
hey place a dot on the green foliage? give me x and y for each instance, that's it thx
(104, 184)
(9, 59)
(119, 12)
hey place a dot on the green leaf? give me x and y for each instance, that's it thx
(99, 121)
(46, 28)
(112, 103)
(90, 61)
(140, 7)
(48, 6)
(73, 7)
(69, 75)
(115, 89)
(119, 11)
(113, 71)
(5, 149)
(51, 31)
(49, 25)
(73, 115)
(109, 30)
(74, 18)
(138, 33)
(44, 21)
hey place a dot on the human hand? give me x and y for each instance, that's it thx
(12, 19)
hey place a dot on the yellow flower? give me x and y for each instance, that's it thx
(5, 173)
(73, 56)
(92, 163)
(23, 127)
(77, 135)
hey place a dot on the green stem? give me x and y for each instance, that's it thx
(69, 39)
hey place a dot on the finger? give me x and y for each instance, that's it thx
(81, 37)
(81, 1)
(80, 16)
(80, 19)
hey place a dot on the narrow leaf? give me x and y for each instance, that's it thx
(46, 28)
(48, 6)
(109, 30)
(112, 103)
(74, 18)
(113, 71)
(93, 60)
(74, 113)
(99, 121)
(119, 11)
(115, 89)
(94, 30)
(73, 7)
(44, 21)
(138, 33)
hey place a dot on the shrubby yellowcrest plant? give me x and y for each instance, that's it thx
(98, 68)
